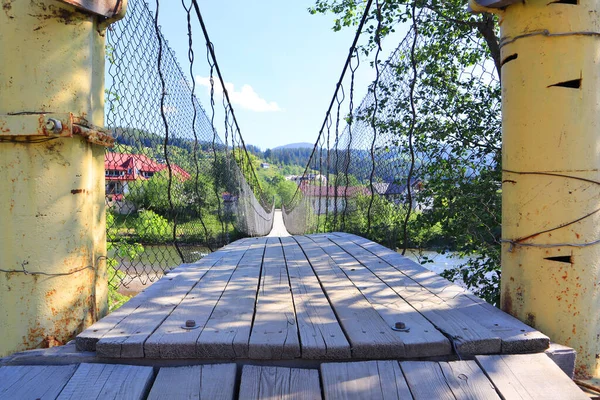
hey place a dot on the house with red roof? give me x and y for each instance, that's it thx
(120, 169)
(323, 198)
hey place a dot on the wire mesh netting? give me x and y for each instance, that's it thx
(174, 190)
(417, 163)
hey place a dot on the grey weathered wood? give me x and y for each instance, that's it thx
(108, 381)
(275, 331)
(426, 380)
(369, 335)
(364, 380)
(279, 383)
(515, 335)
(126, 339)
(320, 333)
(170, 340)
(218, 381)
(86, 340)
(227, 332)
(467, 381)
(34, 382)
(423, 339)
(529, 376)
(177, 383)
(468, 336)
(196, 382)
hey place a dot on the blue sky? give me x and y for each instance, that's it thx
(280, 64)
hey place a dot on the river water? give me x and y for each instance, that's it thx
(440, 262)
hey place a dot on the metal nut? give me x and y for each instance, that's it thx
(190, 323)
(53, 125)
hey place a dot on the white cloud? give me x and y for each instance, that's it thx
(246, 97)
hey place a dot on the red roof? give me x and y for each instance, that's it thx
(342, 191)
(134, 165)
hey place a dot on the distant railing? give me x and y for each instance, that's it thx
(174, 190)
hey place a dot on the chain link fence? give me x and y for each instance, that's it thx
(174, 190)
(417, 164)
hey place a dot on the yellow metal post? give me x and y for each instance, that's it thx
(551, 180)
(52, 217)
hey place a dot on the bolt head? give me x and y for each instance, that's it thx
(190, 323)
(400, 325)
(53, 125)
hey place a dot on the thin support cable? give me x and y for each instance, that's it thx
(374, 117)
(166, 126)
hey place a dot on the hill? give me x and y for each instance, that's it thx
(302, 145)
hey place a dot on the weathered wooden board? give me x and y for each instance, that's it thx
(127, 338)
(371, 380)
(515, 335)
(422, 339)
(467, 335)
(320, 333)
(467, 381)
(108, 381)
(426, 380)
(170, 340)
(227, 332)
(216, 382)
(275, 331)
(86, 340)
(34, 382)
(279, 383)
(529, 376)
(369, 335)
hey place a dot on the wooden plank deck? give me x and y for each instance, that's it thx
(315, 297)
(490, 377)
(331, 316)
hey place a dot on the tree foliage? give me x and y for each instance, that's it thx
(453, 60)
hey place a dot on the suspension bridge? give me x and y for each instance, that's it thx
(141, 184)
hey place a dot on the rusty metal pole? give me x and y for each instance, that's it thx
(551, 180)
(52, 217)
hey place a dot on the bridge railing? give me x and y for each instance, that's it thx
(417, 163)
(174, 189)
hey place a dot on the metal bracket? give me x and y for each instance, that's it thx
(103, 8)
(53, 125)
(37, 124)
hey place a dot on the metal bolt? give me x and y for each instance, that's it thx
(400, 325)
(53, 125)
(190, 323)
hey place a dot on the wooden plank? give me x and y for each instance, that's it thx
(279, 383)
(423, 339)
(369, 335)
(467, 335)
(218, 381)
(529, 376)
(516, 336)
(227, 332)
(426, 380)
(127, 338)
(467, 381)
(86, 340)
(108, 381)
(34, 382)
(364, 380)
(187, 383)
(275, 331)
(170, 340)
(320, 333)
(195, 382)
